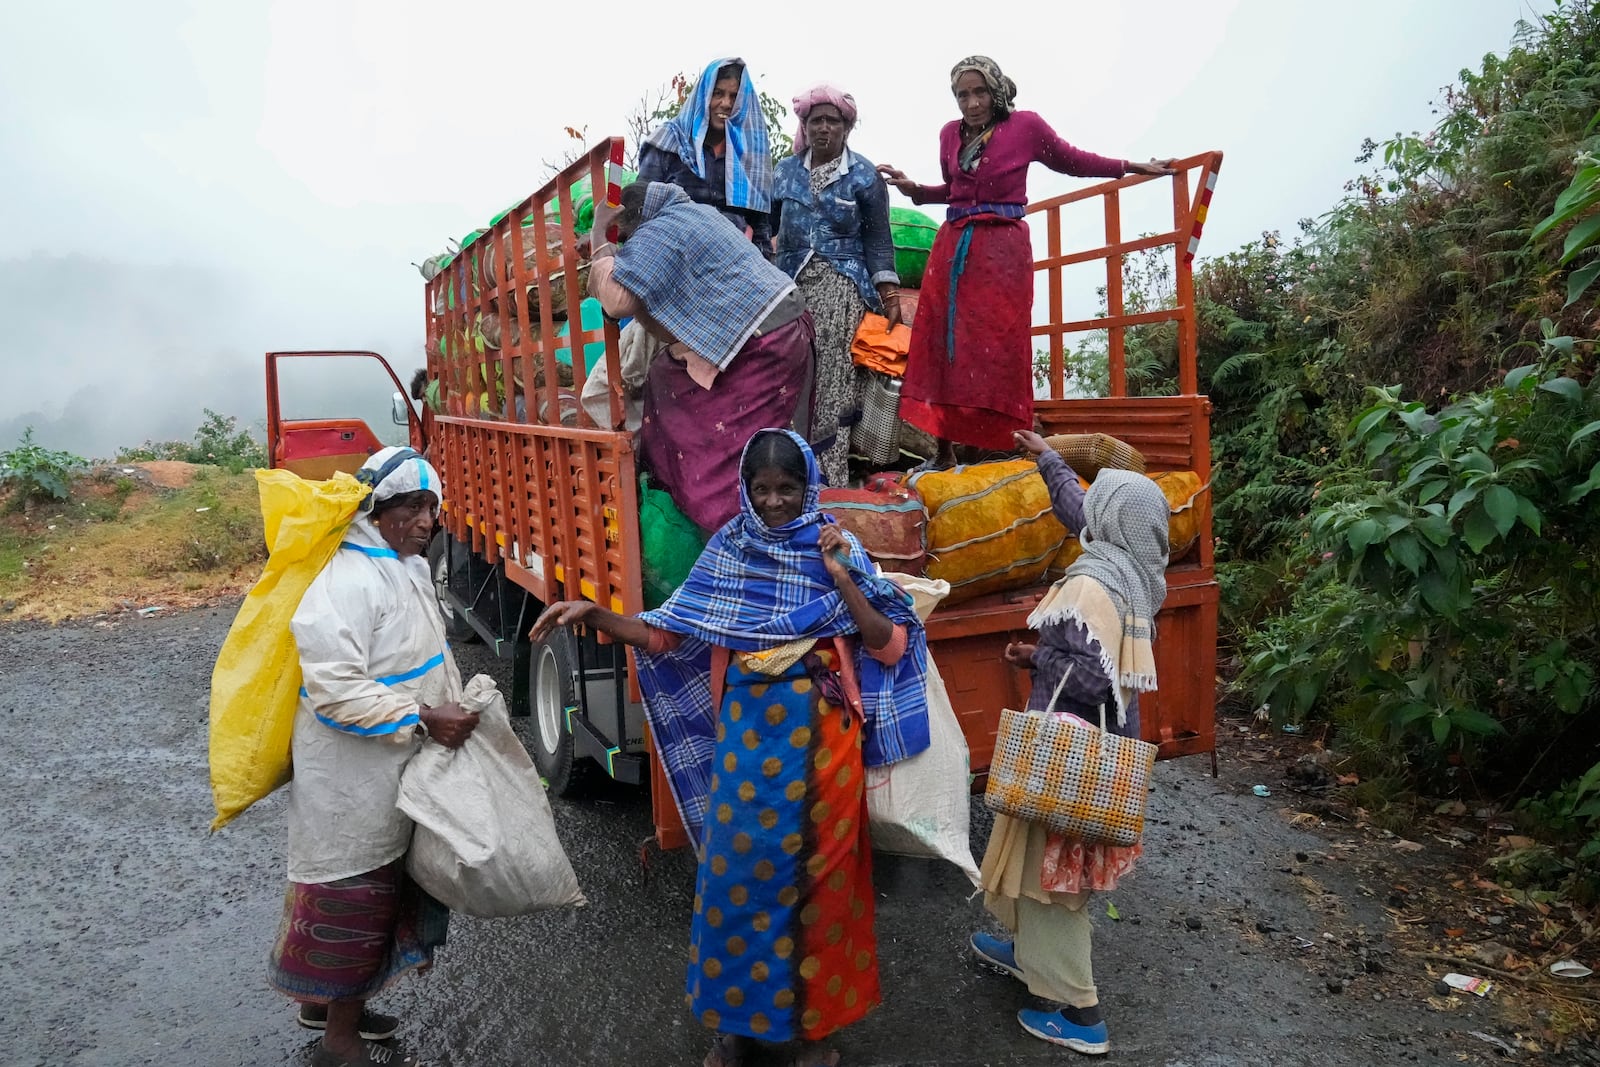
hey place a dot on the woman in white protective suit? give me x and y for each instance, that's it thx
(377, 676)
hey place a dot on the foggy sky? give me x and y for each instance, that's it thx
(186, 184)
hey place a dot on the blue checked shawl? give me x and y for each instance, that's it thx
(697, 276)
(754, 588)
(747, 155)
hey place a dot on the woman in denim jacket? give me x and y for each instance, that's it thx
(831, 214)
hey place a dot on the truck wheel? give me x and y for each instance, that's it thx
(457, 629)
(552, 690)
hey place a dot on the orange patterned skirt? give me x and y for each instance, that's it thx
(782, 944)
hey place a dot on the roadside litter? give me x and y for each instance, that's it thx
(1466, 983)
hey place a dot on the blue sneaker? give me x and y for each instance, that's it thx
(1001, 955)
(1054, 1027)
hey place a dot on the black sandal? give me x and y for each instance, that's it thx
(373, 1026)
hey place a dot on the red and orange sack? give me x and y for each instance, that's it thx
(887, 518)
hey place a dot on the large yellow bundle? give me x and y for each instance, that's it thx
(255, 684)
(990, 527)
(1187, 500)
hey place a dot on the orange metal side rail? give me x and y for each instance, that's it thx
(1188, 219)
(556, 503)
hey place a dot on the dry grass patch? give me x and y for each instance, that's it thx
(129, 537)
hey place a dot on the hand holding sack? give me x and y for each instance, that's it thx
(922, 806)
(485, 842)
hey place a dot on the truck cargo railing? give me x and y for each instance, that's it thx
(550, 506)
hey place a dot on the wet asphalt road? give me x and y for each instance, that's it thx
(130, 936)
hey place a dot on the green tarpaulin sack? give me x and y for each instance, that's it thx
(669, 544)
(912, 233)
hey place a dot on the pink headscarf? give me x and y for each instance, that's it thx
(822, 94)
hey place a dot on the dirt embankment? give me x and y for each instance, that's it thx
(130, 537)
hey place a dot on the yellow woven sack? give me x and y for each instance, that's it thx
(990, 527)
(255, 684)
(1188, 500)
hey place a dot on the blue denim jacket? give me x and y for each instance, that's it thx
(848, 223)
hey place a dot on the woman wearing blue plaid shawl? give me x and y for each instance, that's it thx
(716, 150)
(778, 671)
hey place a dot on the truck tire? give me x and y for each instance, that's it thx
(551, 691)
(457, 630)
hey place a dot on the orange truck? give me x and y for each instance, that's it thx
(538, 510)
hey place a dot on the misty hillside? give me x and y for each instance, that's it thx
(102, 353)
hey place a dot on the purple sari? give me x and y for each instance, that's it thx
(691, 438)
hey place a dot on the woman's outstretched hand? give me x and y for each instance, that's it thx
(1020, 655)
(1031, 443)
(561, 613)
(1155, 168)
(898, 179)
(835, 549)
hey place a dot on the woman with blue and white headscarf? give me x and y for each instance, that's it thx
(716, 150)
(377, 677)
(778, 671)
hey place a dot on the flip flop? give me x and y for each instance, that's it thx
(722, 1053)
(372, 1027)
(371, 1056)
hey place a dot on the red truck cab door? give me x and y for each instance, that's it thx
(340, 436)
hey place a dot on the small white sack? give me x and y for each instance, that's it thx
(485, 842)
(922, 806)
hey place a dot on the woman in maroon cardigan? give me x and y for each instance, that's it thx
(969, 378)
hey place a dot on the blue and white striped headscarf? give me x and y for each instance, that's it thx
(748, 155)
(395, 470)
(756, 587)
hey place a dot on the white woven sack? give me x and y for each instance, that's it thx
(485, 841)
(922, 806)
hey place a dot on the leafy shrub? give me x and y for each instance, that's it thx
(32, 472)
(218, 442)
(1454, 597)
(1579, 203)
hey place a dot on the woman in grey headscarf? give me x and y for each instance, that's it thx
(1094, 650)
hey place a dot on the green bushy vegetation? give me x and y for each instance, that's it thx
(1407, 439)
(218, 442)
(30, 472)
